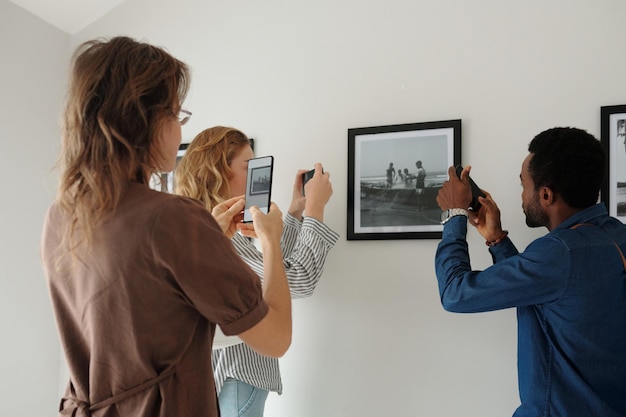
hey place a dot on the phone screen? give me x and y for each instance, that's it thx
(258, 185)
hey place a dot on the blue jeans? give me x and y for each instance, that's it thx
(238, 399)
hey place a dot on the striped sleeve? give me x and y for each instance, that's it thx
(290, 234)
(305, 263)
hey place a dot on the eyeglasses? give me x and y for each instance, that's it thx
(183, 116)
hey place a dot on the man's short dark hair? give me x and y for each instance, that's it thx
(571, 162)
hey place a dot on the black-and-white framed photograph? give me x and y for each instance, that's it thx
(613, 137)
(394, 175)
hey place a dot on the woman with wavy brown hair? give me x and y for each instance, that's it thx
(213, 170)
(135, 295)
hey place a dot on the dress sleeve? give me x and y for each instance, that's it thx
(197, 257)
(515, 279)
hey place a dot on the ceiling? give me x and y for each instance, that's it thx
(70, 16)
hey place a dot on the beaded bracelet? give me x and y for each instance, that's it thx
(491, 243)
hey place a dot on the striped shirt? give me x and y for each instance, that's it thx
(305, 246)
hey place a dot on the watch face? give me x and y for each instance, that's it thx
(444, 215)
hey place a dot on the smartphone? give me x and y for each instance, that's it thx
(476, 192)
(307, 176)
(258, 185)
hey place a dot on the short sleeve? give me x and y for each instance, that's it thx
(191, 249)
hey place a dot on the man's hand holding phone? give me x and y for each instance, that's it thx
(476, 191)
(484, 213)
(455, 193)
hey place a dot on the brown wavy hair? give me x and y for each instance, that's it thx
(120, 93)
(204, 171)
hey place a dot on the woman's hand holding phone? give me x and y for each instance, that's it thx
(265, 227)
(297, 199)
(228, 214)
(318, 191)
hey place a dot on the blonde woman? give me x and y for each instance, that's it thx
(139, 278)
(214, 170)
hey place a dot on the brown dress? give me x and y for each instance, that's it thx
(136, 313)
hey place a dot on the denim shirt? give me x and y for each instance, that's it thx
(569, 288)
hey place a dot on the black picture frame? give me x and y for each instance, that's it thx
(613, 138)
(384, 206)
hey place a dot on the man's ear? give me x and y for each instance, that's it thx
(547, 195)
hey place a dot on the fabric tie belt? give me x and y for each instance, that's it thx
(75, 407)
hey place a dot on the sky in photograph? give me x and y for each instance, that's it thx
(376, 154)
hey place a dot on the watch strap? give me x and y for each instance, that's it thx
(453, 212)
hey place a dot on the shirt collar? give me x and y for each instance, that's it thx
(584, 216)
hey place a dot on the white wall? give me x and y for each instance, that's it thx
(32, 79)
(296, 75)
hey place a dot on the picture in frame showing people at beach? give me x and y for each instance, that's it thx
(394, 175)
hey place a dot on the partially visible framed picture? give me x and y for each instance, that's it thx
(165, 181)
(394, 175)
(613, 138)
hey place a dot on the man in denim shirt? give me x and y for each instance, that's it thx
(569, 286)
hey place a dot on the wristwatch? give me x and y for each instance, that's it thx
(450, 213)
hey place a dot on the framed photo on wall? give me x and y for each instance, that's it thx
(613, 138)
(165, 181)
(394, 175)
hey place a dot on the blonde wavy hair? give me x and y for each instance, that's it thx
(204, 171)
(121, 92)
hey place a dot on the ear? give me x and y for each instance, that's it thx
(547, 196)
